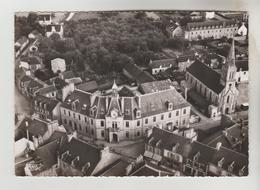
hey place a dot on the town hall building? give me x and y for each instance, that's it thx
(214, 92)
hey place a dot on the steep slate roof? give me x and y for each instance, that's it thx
(155, 103)
(86, 152)
(156, 86)
(163, 63)
(50, 103)
(189, 149)
(48, 153)
(242, 64)
(90, 86)
(35, 84)
(126, 92)
(206, 75)
(35, 127)
(101, 107)
(67, 74)
(80, 98)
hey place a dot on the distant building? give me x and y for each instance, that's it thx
(78, 158)
(242, 30)
(242, 71)
(32, 63)
(54, 28)
(46, 108)
(216, 93)
(157, 66)
(193, 158)
(208, 29)
(114, 118)
(58, 64)
(44, 18)
(184, 61)
(29, 86)
(20, 44)
(174, 30)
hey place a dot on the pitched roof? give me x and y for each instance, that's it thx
(137, 74)
(189, 149)
(47, 90)
(156, 103)
(90, 86)
(26, 78)
(126, 92)
(35, 127)
(206, 75)
(35, 84)
(163, 63)
(32, 60)
(212, 23)
(118, 168)
(67, 74)
(155, 86)
(81, 100)
(84, 151)
(242, 64)
(50, 103)
(22, 40)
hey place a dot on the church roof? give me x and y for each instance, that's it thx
(206, 75)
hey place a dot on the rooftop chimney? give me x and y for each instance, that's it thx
(219, 144)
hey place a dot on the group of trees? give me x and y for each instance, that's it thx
(25, 25)
(110, 41)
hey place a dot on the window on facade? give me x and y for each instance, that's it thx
(127, 134)
(85, 119)
(177, 113)
(154, 119)
(162, 117)
(183, 122)
(86, 129)
(70, 123)
(102, 133)
(127, 123)
(184, 111)
(138, 133)
(69, 113)
(146, 120)
(170, 115)
(92, 132)
(114, 125)
(138, 113)
(80, 128)
(177, 123)
(64, 111)
(75, 126)
(138, 123)
(79, 117)
(102, 123)
(65, 121)
(74, 115)
(91, 121)
(227, 99)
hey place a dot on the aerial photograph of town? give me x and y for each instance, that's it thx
(131, 93)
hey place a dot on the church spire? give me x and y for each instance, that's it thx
(114, 87)
(231, 55)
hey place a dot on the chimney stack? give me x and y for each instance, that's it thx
(219, 144)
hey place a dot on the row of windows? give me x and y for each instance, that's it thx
(212, 31)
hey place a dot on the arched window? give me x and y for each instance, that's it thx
(227, 99)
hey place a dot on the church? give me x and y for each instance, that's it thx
(214, 92)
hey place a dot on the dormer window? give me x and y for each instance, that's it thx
(220, 162)
(231, 166)
(73, 106)
(127, 112)
(196, 157)
(241, 171)
(138, 113)
(170, 106)
(92, 112)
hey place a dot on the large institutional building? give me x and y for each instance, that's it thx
(208, 29)
(117, 116)
(217, 91)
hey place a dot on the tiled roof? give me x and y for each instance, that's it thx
(137, 74)
(242, 64)
(50, 103)
(35, 84)
(90, 86)
(206, 75)
(207, 24)
(86, 153)
(156, 103)
(101, 107)
(80, 98)
(163, 63)
(67, 74)
(126, 92)
(32, 60)
(35, 127)
(48, 153)
(189, 149)
(47, 90)
(118, 168)
(150, 87)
